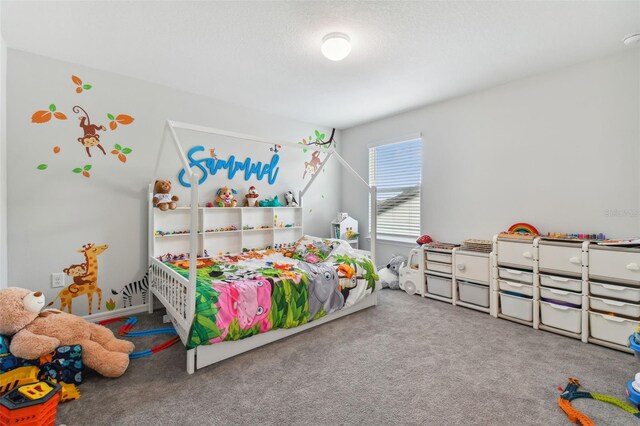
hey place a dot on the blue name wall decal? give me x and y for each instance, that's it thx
(210, 166)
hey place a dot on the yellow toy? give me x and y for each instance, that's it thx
(17, 377)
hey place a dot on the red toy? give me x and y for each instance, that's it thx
(425, 239)
(35, 404)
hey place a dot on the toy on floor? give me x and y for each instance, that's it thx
(251, 197)
(390, 274)
(571, 392)
(33, 404)
(37, 332)
(125, 330)
(225, 197)
(162, 197)
(290, 199)
(18, 376)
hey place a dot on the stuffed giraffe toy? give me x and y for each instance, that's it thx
(66, 296)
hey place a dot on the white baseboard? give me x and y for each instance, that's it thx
(122, 312)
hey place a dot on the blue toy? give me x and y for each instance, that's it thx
(275, 202)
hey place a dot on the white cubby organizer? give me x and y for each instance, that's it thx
(255, 228)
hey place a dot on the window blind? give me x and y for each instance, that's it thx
(396, 170)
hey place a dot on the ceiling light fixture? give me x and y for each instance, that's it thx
(336, 46)
(631, 38)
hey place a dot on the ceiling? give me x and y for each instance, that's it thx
(266, 55)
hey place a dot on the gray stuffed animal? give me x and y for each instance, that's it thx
(389, 275)
(322, 281)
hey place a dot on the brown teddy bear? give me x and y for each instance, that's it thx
(162, 197)
(36, 333)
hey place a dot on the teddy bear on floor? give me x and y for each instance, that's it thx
(162, 197)
(36, 333)
(390, 274)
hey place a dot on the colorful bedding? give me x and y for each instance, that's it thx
(241, 295)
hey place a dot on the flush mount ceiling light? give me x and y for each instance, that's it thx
(336, 46)
(631, 39)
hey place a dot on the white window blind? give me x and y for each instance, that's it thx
(396, 170)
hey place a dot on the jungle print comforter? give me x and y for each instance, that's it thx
(241, 295)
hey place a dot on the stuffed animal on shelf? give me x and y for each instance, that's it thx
(225, 197)
(275, 202)
(162, 197)
(290, 199)
(36, 333)
(251, 198)
(389, 275)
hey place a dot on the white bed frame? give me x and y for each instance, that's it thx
(178, 293)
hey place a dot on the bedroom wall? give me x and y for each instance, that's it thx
(558, 150)
(53, 211)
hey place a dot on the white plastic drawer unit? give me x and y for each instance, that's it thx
(620, 265)
(562, 296)
(611, 329)
(444, 268)
(560, 258)
(617, 307)
(516, 275)
(439, 286)
(434, 256)
(516, 307)
(561, 317)
(472, 266)
(513, 287)
(475, 294)
(518, 254)
(562, 283)
(630, 294)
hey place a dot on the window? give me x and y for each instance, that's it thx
(395, 169)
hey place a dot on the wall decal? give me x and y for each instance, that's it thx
(121, 152)
(84, 170)
(91, 137)
(210, 166)
(76, 80)
(318, 140)
(119, 119)
(42, 167)
(43, 116)
(275, 148)
(110, 304)
(212, 153)
(89, 280)
(56, 149)
(136, 287)
(312, 165)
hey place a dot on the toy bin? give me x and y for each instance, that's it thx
(630, 310)
(444, 268)
(475, 294)
(516, 275)
(611, 329)
(519, 288)
(516, 306)
(571, 284)
(561, 297)
(561, 317)
(34, 404)
(439, 286)
(619, 292)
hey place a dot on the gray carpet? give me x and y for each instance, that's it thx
(407, 361)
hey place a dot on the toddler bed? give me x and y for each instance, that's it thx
(225, 305)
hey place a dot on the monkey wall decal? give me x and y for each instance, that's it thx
(312, 165)
(91, 137)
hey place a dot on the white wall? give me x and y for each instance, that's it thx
(3, 160)
(52, 213)
(559, 150)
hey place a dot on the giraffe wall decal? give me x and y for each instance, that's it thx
(66, 295)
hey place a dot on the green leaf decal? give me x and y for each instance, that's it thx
(87, 167)
(127, 151)
(77, 170)
(110, 117)
(321, 136)
(87, 87)
(42, 167)
(118, 147)
(317, 134)
(52, 108)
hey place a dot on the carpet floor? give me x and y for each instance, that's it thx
(406, 361)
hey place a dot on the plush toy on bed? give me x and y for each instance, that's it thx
(225, 197)
(37, 333)
(251, 198)
(290, 199)
(162, 197)
(389, 275)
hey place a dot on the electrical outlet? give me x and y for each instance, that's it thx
(57, 280)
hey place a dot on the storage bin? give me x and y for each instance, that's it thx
(520, 288)
(561, 296)
(439, 267)
(629, 294)
(516, 307)
(619, 265)
(561, 317)
(474, 267)
(438, 257)
(518, 254)
(611, 329)
(614, 306)
(475, 294)
(516, 275)
(439, 286)
(565, 259)
(562, 283)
